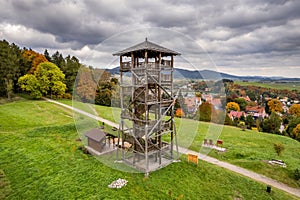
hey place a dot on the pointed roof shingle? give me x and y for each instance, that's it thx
(146, 45)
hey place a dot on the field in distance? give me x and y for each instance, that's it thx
(272, 85)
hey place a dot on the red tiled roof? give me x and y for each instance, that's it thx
(255, 109)
(236, 114)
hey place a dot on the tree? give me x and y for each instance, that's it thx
(29, 83)
(85, 86)
(242, 103)
(9, 68)
(70, 68)
(179, 113)
(107, 92)
(47, 55)
(252, 95)
(58, 59)
(47, 79)
(292, 124)
(250, 122)
(272, 124)
(296, 132)
(295, 110)
(204, 112)
(34, 59)
(179, 103)
(232, 106)
(275, 106)
(279, 148)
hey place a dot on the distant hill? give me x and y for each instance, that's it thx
(213, 75)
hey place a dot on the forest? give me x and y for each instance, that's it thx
(25, 70)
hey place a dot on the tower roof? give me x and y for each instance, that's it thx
(146, 45)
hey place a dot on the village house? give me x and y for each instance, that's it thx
(236, 114)
(256, 111)
(246, 98)
(192, 103)
(216, 102)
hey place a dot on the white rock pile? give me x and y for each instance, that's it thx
(118, 183)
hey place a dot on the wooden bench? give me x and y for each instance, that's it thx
(219, 143)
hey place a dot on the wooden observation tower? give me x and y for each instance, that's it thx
(147, 134)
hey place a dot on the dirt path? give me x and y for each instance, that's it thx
(244, 172)
(112, 124)
(231, 167)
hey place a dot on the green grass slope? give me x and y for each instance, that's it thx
(248, 149)
(42, 161)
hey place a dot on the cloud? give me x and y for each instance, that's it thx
(235, 34)
(29, 37)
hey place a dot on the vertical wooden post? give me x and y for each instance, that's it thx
(146, 57)
(172, 113)
(159, 109)
(132, 60)
(121, 126)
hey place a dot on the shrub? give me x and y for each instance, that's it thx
(297, 174)
(278, 148)
(67, 96)
(242, 125)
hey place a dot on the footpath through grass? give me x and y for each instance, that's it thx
(42, 161)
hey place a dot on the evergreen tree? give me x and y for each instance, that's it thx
(47, 55)
(204, 112)
(272, 124)
(9, 68)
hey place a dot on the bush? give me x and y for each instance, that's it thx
(297, 174)
(279, 148)
(242, 125)
(67, 96)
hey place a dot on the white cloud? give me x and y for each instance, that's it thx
(245, 36)
(28, 37)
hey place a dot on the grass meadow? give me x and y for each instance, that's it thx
(273, 85)
(248, 149)
(40, 159)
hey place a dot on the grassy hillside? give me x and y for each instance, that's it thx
(42, 161)
(248, 149)
(273, 85)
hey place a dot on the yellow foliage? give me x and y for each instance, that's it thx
(275, 105)
(232, 106)
(296, 131)
(295, 110)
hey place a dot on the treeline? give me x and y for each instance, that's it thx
(33, 67)
(96, 86)
(55, 76)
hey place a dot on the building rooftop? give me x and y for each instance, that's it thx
(146, 45)
(95, 134)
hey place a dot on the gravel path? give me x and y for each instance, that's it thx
(231, 167)
(244, 172)
(112, 124)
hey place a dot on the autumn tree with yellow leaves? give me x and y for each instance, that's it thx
(232, 106)
(275, 106)
(295, 110)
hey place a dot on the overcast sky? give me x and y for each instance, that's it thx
(247, 38)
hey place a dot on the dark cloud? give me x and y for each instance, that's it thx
(230, 31)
